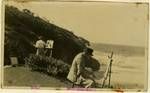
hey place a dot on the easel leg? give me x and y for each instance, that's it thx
(50, 53)
(105, 78)
(110, 73)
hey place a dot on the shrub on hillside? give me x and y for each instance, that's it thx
(47, 64)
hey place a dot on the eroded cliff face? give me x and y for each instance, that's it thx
(22, 29)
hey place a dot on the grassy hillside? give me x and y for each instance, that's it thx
(26, 78)
(22, 29)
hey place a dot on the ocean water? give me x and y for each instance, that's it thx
(128, 71)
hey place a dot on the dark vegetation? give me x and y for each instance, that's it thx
(48, 65)
(22, 29)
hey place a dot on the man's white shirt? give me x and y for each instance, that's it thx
(40, 44)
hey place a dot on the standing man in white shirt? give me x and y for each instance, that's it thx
(40, 45)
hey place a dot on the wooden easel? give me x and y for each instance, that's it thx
(49, 46)
(108, 71)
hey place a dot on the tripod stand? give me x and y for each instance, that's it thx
(108, 71)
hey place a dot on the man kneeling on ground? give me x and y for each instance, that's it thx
(77, 71)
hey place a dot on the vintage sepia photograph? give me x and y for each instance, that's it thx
(78, 45)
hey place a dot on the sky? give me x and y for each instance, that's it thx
(98, 22)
